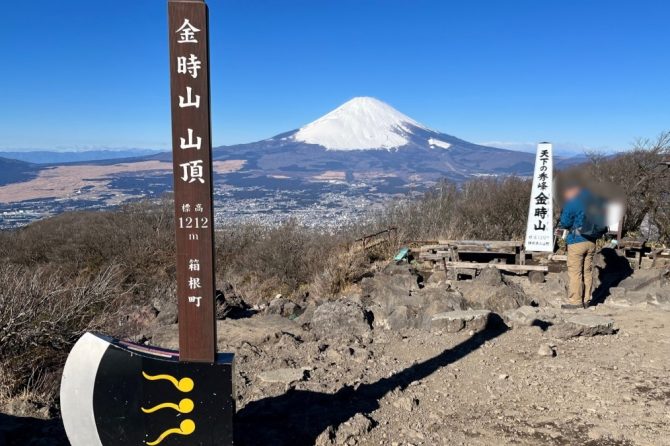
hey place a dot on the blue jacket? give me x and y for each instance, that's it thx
(572, 217)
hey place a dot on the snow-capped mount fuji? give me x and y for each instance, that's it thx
(362, 123)
(367, 138)
(363, 141)
(366, 123)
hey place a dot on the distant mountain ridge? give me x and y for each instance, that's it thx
(332, 169)
(14, 171)
(366, 137)
(58, 157)
(362, 143)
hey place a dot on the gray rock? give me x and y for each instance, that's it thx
(660, 296)
(622, 297)
(351, 431)
(398, 300)
(307, 314)
(583, 325)
(489, 277)
(536, 277)
(167, 311)
(229, 303)
(232, 333)
(283, 307)
(284, 376)
(642, 278)
(394, 280)
(437, 301)
(497, 298)
(560, 324)
(546, 350)
(436, 278)
(342, 319)
(399, 318)
(398, 311)
(527, 316)
(454, 321)
(554, 291)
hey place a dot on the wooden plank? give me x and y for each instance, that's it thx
(487, 243)
(426, 248)
(502, 266)
(474, 248)
(479, 250)
(631, 244)
(434, 257)
(441, 255)
(470, 250)
(192, 164)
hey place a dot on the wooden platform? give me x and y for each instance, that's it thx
(449, 254)
(500, 266)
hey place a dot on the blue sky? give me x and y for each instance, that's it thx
(90, 74)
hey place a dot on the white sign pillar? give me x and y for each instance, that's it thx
(540, 228)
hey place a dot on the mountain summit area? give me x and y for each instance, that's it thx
(367, 136)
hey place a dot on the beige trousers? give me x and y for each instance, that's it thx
(580, 271)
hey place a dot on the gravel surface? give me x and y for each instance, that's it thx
(501, 386)
(340, 375)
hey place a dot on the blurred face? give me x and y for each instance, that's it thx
(571, 192)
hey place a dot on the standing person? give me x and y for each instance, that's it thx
(581, 248)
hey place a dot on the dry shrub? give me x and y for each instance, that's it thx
(340, 271)
(41, 317)
(644, 179)
(493, 209)
(661, 218)
(483, 208)
(262, 261)
(140, 237)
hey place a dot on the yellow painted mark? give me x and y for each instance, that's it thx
(183, 385)
(186, 427)
(185, 406)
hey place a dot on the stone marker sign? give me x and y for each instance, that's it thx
(540, 227)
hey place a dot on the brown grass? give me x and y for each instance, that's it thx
(66, 181)
(89, 181)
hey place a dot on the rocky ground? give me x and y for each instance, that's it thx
(413, 358)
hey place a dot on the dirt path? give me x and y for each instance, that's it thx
(493, 388)
(414, 387)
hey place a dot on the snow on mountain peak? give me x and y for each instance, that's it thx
(361, 123)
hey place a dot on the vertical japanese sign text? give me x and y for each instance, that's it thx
(192, 159)
(540, 232)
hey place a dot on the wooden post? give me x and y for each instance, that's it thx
(192, 163)
(109, 385)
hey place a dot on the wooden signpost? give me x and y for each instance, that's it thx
(119, 393)
(192, 159)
